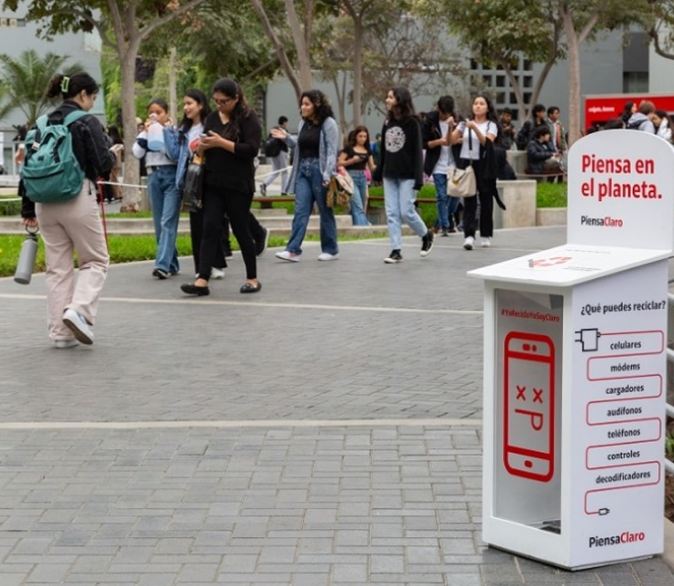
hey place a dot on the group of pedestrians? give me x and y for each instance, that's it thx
(226, 142)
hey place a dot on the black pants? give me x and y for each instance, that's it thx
(219, 201)
(254, 227)
(196, 233)
(485, 195)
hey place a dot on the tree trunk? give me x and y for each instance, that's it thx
(573, 56)
(301, 44)
(131, 202)
(286, 65)
(357, 70)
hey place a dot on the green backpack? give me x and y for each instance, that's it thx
(51, 173)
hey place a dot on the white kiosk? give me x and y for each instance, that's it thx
(574, 367)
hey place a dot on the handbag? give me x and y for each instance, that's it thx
(461, 182)
(340, 191)
(193, 189)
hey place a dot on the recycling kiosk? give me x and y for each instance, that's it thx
(575, 363)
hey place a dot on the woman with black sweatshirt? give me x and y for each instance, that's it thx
(401, 169)
(231, 141)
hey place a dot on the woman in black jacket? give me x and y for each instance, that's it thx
(230, 143)
(74, 225)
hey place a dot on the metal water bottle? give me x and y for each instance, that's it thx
(24, 268)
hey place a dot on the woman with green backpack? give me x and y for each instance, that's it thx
(66, 208)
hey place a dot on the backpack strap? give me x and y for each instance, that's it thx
(41, 123)
(74, 117)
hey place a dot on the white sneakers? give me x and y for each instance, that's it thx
(468, 243)
(289, 256)
(485, 242)
(217, 273)
(292, 257)
(78, 326)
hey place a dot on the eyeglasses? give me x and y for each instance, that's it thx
(223, 102)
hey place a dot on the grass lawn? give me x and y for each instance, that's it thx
(133, 248)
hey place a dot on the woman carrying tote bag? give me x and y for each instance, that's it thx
(481, 126)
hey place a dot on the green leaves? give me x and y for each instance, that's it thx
(26, 78)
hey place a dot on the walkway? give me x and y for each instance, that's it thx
(324, 432)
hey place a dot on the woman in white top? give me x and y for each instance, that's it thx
(481, 127)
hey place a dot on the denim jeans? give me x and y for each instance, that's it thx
(165, 200)
(399, 198)
(446, 204)
(358, 199)
(309, 190)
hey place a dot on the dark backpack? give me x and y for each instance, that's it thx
(51, 173)
(272, 147)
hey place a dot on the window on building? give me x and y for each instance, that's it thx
(635, 82)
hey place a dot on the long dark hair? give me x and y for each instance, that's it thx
(404, 108)
(200, 98)
(68, 86)
(228, 87)
(322, 107)
(355, 132)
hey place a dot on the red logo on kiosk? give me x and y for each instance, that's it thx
(529, 406)
(549, 262)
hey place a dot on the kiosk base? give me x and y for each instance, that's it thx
(569, 568)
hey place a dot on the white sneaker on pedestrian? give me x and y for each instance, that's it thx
(468, 243)
(62, 344)
(485, 242)
(327, 256)
(217, 273)
(289, 256)
(78, 326)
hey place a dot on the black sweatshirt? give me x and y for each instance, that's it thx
(401, 153)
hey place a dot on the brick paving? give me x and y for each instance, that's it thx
(324, 432)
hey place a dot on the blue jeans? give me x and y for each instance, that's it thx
(358, 199)
(399, 198)
(165, 200)
(447, 204)
(309, 190)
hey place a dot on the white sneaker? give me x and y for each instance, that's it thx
(327, 256)
(468, 243)
(62, 344)
(78, 326)
(485, 242)
(287, 255)
(217, 273)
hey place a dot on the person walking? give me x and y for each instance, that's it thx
(74, 225)
(436, 130)
(279, 159)
(478, 134)
(161, 185)
(356, 157)
(230, 145)
(181, 145)
(314, 163)
(401, 169)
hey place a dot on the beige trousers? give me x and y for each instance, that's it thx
(66, 227)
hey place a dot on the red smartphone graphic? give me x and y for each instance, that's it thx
(529, 406)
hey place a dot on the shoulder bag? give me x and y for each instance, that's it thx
(193, 189)
(461, 182)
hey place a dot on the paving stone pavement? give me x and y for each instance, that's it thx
(323, 432)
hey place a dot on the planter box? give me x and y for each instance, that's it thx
(551, 217)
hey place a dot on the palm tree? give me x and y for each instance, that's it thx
(5, 104)
(26, 79)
